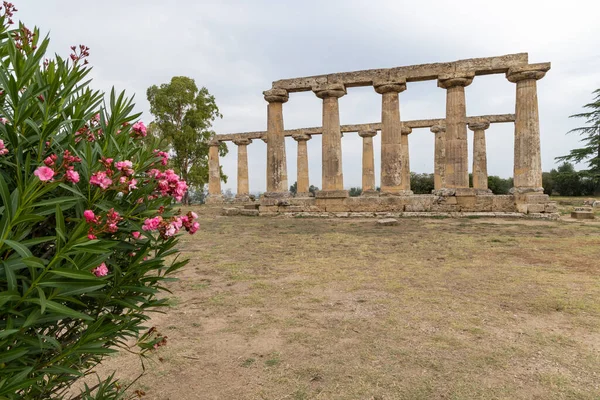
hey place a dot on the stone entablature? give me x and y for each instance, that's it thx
(453, 192)
(317, 130)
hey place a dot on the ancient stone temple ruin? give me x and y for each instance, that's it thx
(452, 193)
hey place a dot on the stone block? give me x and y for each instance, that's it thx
(361, 215)
(582, 215)
(253, 206)
(230, 211)
(444, 208)
(467, 203)
(387, 222)
(331, 194)
(249, 213)
(522, 208)
(268, 209)
(266, 201)
(342, 214)
(363, 204)
(537, 198)
(503, 203)
(535, 208)
(420, 203)
(445, 200)
(460, 192)
(551, 207)
(583, 209)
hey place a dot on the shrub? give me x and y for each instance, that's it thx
(87, 226)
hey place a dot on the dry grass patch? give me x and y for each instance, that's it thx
(277, 308)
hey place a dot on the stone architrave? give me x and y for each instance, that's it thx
(456, 172)
(243, 191)
(528, 161)
(277, 182)
(391, 136)
(302, 184)
(214, 174)
(368, 163)
(406, 161)
(480, 175)
(439, 160)
(333, 177)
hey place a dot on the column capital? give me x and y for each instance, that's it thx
(367, 133)
(406, 130)
(276, 95)
(438, 128)
(387, 86)
(264, 139)
(329, 90)
(301, 137)
(448, 81)
(214, 142)
(242, 142)
(531, 71)
(479, 125)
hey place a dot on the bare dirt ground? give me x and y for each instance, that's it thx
(280, 308)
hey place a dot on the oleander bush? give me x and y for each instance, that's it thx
(88, 228)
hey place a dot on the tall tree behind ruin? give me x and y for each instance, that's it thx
(183, 117)
(591, 138)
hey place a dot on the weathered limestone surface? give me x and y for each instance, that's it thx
(277, 182)
(528, 161)
(414, 124)
(480, 176)
(333, 177)
(368, 163)
(456, 172)
(214, 174)
(439, 162)
(405, 161)
(242, 171)
(392, 161)
(302, 181)
(413, 73)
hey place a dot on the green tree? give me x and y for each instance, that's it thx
(499, 185)
(294, 188)
(567, 181)
(313, 189)
(355, 192)
(183, 118)
(590, 133)
(421, 183)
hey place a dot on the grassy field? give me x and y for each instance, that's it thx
(279, 308)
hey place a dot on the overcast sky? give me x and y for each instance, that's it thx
(237, 48)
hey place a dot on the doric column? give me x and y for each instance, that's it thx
(368, 163)
(214, 174)
(528, 161)
(439, 163)
(333, 177)
(277, 183)
(406, 160)
(480, 176)
(302, 181)
(456, 171)
(242, 170)
(391, 136)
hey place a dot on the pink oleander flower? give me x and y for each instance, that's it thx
(125, 167)
(136, 235)
(100, 179)
(139, 129)
(3, 120)
(194, 228)
(91, 236)
(100, 270)
(164, 155)
(132, 184)
(44, 173)
(3, 149)
(193, 214)
(50, 160)
(112, 219)
(72, 176)
(89, 216)
(151, 224)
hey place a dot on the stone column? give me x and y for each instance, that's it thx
(391, 137)
(243, 192)
(480, 176)
(277, 183)
(214, 174)
(528, 161)
(368, 163)
(456, 173)
(302, 181)
(406, 161)
(439, 156)
(333, 177)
